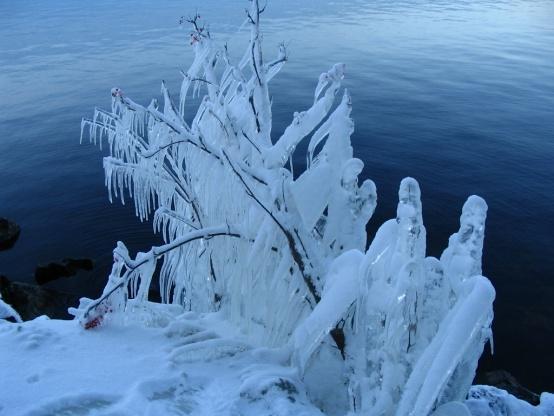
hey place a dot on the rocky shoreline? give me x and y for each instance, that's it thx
(31, 301)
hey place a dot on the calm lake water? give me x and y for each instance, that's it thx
(458, 94)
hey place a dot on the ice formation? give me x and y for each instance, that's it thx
(282, 256)
(7, 312)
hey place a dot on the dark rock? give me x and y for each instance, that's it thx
(67, 268)
(9, 233)
(83, 264)
(31, 301)
(502, 379)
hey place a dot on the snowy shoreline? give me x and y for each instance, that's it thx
(161, 361)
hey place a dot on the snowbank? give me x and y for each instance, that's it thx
(167, 363)
(162, 361)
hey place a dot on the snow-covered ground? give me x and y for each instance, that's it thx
(166, 362)
(154, 366)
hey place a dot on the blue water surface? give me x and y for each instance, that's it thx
(458, 94)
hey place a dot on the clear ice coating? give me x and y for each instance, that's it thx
(283, 255)
(6, 311)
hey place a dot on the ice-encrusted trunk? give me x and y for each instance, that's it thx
(281, 255)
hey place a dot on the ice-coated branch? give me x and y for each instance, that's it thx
(296, 247)
(155, 252)
(339, 293)
(306, 121)
(121, 258)
(6, 311)
(272, 68)
(259, 98)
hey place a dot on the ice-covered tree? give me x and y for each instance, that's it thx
(283, 255)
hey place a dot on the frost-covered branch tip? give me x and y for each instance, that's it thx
(122, 258)
(7, 312)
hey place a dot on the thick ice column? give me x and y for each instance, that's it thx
(341, 288)
(387, 318)
(459, 342)
(411, 237)
(462, 258)
(350, 209)
(436, 300)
